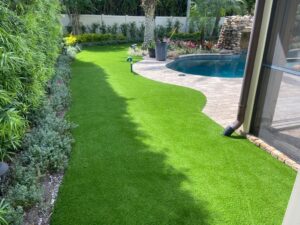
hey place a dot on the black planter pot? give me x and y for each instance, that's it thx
(161, 51)
(151, 52)
(3, 168)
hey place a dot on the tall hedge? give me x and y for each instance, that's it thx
(30, 34)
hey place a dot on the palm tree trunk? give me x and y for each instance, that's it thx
(188, 12)
(149, 24)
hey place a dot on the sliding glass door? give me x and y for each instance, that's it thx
(276, 117)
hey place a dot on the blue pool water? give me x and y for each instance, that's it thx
(229, 66)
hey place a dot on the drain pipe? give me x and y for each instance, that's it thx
(259, 10)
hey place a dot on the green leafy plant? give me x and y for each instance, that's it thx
(124, 29)
(103, 28)
(3, 212)
(45, 147)
(29, 38)
(95, 27)
(133, 31)
(160, 33)
(84, 38)
(114, 28)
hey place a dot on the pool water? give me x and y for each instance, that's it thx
(230, 66)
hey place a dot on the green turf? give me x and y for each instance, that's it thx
(146, 155)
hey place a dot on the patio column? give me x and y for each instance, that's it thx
(292, 215)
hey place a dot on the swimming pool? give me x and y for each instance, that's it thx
(212, 65)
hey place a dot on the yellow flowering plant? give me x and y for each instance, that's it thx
(71, 40)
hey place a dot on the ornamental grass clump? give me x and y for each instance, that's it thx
(30, 33)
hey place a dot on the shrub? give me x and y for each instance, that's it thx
(160, 32)
(45, 148)
(141, 32)
(24, 196)
(133, 31)
(3, 211)
(30, 33)
(83, 29)
(103, 28)
(84, 38)
(14, 216)
(124, 27)
(177, 26)
(70, 40)
(114, 28)
(72, 51)
(186, 37)
(95, 27)
(169, 26)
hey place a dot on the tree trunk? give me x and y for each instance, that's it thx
(188, 14)
(216, 27)
(75, 22)
(149, 24)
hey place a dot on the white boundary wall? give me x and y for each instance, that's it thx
(88, 20)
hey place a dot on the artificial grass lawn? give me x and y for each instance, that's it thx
(146, 155)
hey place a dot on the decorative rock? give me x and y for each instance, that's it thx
(296, 167)
(231, 37)
(290, 163)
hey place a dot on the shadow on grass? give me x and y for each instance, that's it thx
(114, 178)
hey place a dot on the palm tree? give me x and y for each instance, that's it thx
(248, 6)
(149, 9)
(188, 12)
(207, 14)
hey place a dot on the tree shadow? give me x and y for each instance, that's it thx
(113, 177)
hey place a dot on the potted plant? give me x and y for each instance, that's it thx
(161, 50)
(161, 47)
(151, 49)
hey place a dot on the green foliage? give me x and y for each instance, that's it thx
(165, 32)
(133, 31)
(177, 26)
(45, 148)
(95, 27)
(124, 27)
(206, 14)
(247, 6)
(110, 34)
(114, 29)
(160, 32)
(14, 216)
(83, 38)
(186, 36)
(103, 28)
(29, 40)
(124, 7)
(3, 212)
(23, 195)
(72, 51)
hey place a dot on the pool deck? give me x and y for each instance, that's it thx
(222, 93)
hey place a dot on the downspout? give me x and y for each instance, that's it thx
(252, 50)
